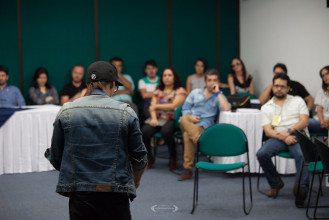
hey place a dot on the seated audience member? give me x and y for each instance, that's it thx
(10, 96)
(200, 111)
(125, 92)
(296, 89)
(41, 92)
(281, 116)
(238, 79)
(196, 80)
(76, 88)
(169, 94)
(147, 85)
(320, 122)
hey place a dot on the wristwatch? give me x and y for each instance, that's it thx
(290, 131)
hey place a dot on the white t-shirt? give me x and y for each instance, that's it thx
(322, 99)
(289, 113)
(146, 83)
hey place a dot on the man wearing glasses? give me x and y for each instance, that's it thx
(97, 147)
(296, 89)
(281, 116)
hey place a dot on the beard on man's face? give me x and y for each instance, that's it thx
(280, 95)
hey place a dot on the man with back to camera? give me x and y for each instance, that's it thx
(200, 111)
(97, 147)
(76, 88)
(147, 85)
(295, 88)
(281, 116)
(126, 91)
(10, 96)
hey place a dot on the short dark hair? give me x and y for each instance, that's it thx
(211, 72)
(204, 61)
(4, 69)
(150, 63)
(116, 59)
(324, 85)
(282, 66)
(37, 73)
(282, 76)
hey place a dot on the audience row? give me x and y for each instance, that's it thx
(286, 106)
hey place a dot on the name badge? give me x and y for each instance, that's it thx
(276, 120)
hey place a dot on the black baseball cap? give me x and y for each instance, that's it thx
(102, 71)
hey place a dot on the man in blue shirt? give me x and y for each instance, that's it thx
(200, 111)
(10, 96)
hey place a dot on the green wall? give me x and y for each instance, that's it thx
(58, 34)
(9, 40)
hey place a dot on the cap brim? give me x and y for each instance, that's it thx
(117, 83)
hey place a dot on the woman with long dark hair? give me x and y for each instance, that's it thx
(168, 95)
(320, 122)
(238, 79)
(41, 92)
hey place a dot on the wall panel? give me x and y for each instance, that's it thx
(9, 40)
(136, 31)
(57, 35)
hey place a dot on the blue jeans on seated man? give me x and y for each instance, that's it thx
(314, 126)
(270, 148)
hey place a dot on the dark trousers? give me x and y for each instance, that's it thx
(167, 131)
(99, 205)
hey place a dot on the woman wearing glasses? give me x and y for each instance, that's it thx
(320, 122)
(239, 80)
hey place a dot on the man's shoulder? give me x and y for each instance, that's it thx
(128, 77)
(11, 88)
(68, 85)
(296, 98)
(196, 91)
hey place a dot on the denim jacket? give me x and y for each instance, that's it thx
(96, 146)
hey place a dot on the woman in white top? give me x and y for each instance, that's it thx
(196, 80)
(320, 122)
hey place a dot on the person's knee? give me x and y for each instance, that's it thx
(262, 154)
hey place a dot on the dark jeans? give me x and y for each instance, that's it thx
(146, 111)
(314, 126)
(270, 148)
(167, 131)
(99, 205)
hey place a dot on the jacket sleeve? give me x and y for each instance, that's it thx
(55, 152)
(137, 150)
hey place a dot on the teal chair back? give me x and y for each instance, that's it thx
(178, 114)
(223, 140)
(251, 96)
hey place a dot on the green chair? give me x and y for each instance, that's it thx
(222, 140)
(178, 115)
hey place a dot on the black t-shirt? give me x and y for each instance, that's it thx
(70, 90)
(296, 89)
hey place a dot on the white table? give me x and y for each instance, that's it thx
(24, 138)
(249, 120)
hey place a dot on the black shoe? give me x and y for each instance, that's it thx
(300, 195)
(274, 192)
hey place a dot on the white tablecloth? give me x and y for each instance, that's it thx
(25, 137)
(249, 120)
